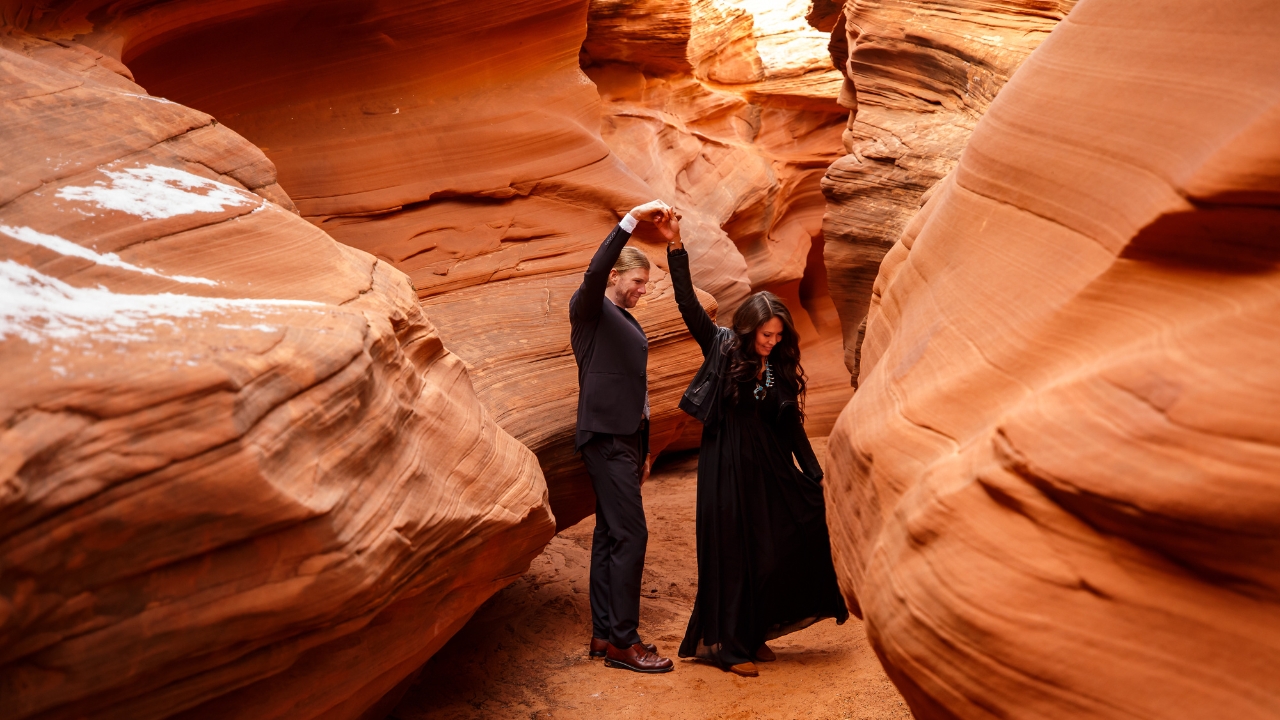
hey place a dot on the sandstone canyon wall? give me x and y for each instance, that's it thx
(918, 78)
(1056, 492)
(240, 475)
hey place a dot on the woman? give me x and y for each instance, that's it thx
(764, 557)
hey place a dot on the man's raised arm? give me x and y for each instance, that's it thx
(585, 304)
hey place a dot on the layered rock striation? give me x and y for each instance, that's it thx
(917, 79)
(240, 475)
(1055, 492)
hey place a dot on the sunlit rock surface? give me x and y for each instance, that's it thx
(240, 475)
(918, 78)
(1057, 490)
(728, 110)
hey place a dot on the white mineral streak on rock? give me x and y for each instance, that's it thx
(156, 192)
(152, 98)
(36, 307)
(62, 246)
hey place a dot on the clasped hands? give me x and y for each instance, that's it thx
(664, 217)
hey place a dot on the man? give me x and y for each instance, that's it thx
(613, 433)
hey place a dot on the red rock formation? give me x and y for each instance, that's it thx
(239, 473)
(456, 141)
(1056, 491)
(727, 110)
(918, 77)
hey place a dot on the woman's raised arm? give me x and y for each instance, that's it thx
(695, 317)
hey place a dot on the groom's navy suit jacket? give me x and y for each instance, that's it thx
(611, 349)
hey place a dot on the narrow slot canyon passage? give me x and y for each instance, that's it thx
(524, 653)
(289, 402)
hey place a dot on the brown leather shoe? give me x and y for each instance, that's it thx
(637, 658)
(746, 669)
(765, 654)
(598, 647)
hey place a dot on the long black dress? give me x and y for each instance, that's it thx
(764, 555)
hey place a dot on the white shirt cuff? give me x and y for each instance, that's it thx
(628, 223)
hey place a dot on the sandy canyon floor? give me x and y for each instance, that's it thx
(524, 653)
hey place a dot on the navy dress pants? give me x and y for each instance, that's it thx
(615, 463)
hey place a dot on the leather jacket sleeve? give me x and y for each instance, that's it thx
(695, 317)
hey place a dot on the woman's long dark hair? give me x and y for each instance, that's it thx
(744, 363)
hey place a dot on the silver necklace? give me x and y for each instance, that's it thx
(761, 389)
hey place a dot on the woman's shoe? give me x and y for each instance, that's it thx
(765, 654)
(746, 669)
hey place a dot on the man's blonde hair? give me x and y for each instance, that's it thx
(630, 259)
